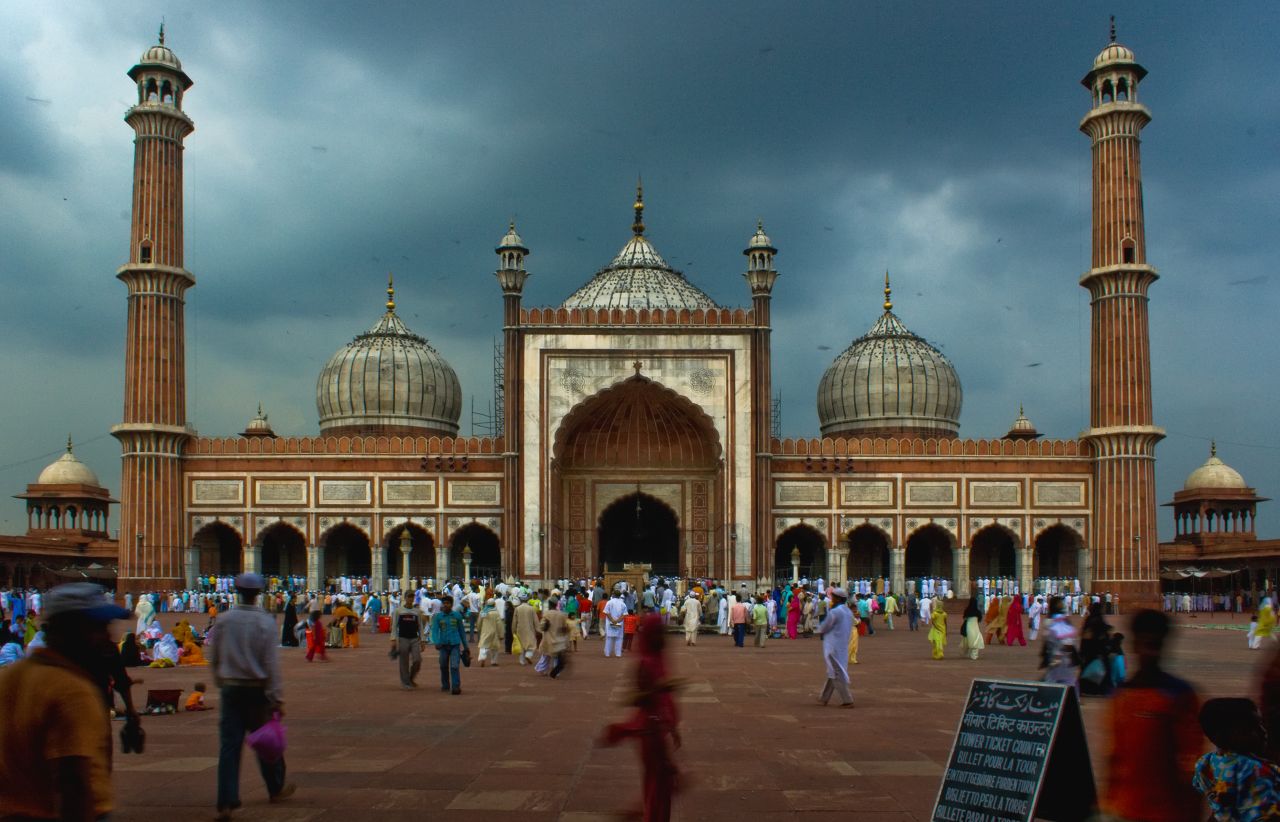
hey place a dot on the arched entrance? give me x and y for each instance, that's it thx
(639, 528)
(346, 552)
(284, 551)
(929, 553)
(422, 559)
(218, 545)
(1057, 553)
(813, 553)
(486, 554)
(993, 553)
(636, 434)
(868, 553)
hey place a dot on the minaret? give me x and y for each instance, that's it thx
(511, 276)
(760, 276)
(1121, 433)
(155, 414)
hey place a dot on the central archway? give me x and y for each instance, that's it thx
(637, 434)
(639, 528)
(813, 553)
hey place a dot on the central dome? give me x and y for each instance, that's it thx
(638, 277)
(388, 380)
(891, 382)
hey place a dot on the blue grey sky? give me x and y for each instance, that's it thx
(336, 142)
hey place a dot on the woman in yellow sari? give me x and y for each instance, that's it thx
(1266, 621)
(182, 633)
(937, 628)
(191, 654)
(853, 640)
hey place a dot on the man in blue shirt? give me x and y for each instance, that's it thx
(448, 635)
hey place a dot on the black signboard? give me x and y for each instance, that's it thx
(1019, 754)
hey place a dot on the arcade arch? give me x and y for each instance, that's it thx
(218, 546)
(486, 553)
(422, 559)
(346, 552)
(813, 553)
(993, 552)
(868, 552)
(928, 553)
(1057, 553)
(284, 551)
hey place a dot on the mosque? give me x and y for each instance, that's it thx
(636, 426)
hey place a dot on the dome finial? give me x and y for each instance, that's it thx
(638, 226)
(162, 31)
(1113, 28)
(391, 294)
(888, 292)
(68, 443)
(1213, 447)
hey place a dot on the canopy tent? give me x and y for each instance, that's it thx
(1197, 573)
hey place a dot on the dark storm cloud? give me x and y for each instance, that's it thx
(337, 142)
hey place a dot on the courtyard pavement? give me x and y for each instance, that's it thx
(756, 743)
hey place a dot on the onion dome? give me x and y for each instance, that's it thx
(1114, 56)
(511, 240)
(67, 470)
(760, 240)
(258, 426)
(1214, 474)
(1022, 428)
(639, 277)
(388, 380)
(892, 382)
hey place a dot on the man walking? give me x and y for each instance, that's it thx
(407, 641)
(691, 613)
(449, 636)
(738, 619)
(246, 666)
(56, 760)
(555, 637)
(836, 631)
(913, 612)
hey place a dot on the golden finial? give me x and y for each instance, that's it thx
(1021, 413)
(391, 294)
(68, 443)
(888, 303)
(1213, 447)
(638, 225)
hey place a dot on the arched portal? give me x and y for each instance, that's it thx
(813, 553)
(993, 553)
(422, 559)
(218, 545)
(929, 553)
(284, 551)
(347, 552)
(486, 554)
(1057, 553)
(636, 434)
(639, 528)
(868, 552)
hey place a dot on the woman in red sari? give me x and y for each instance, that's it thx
(1013, 622)
(794, 610)
(654, 722)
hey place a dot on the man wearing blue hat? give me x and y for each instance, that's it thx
(246, 667)
(56, 760)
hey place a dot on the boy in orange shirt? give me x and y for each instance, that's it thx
(630, 623)
(195, 702)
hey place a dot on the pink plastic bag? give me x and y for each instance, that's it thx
(268, 742)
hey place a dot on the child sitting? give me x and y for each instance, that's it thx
(1236, 781)
(630, 623)
(195, 702)
(1116, 653)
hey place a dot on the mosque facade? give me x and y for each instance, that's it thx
(637, 425)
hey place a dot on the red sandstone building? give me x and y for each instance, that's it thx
(637, 425)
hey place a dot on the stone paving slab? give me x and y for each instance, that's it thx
(756, 741)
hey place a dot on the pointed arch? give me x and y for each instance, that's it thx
(928, 553)
(284, 549)
(347, 551)
(219, 548)
(486, 551)
(868, 552)
(422, 559)
(812, 545)
(993, 552)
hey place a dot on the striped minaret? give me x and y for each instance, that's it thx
(155, 396)
(1122, 434)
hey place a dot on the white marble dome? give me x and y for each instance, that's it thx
(1112, 54)
(388, 380)
(890, 381)
(162, 55)
(1214, 474)
(637, 278)
(67, 470)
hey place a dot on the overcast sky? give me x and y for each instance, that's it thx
(337, 141)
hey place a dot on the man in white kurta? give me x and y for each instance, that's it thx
(145, 612)
(722, 617)
(836, 631)
(614, 611)
(691, 613)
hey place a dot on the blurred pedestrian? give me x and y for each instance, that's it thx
(836, 631)
(1235, 779)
